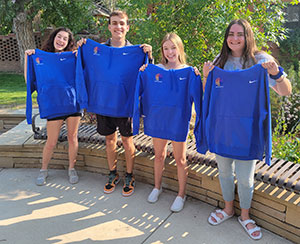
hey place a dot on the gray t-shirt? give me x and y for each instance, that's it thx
(235, 63)
(162, 66)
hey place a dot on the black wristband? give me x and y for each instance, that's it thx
(279, 74)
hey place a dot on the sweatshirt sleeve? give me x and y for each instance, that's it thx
(268, 126)
(201, 142)
(81, 90)
(137, 104)
(31, 87)
(196, 97)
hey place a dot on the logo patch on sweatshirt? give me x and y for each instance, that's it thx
(219, 83)
(158, 78)
(252, 81)
(96, 51)
(39, 61)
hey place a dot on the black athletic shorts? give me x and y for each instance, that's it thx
(108, 125)
(65, 117)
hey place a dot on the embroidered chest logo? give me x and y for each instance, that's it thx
(96, 51)
(219, 83)
(158, 78)
(252, 81)
(39, 61)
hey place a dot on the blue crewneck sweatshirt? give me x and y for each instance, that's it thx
(52, 75)
(164, 99)
(236, 114)
(106, 78)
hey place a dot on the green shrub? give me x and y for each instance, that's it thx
(286, 145)
(289, 106)
(294, 77)
(289, 54)
(291, 111)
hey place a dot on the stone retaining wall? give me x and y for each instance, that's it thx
(272, 208)
(8, 121)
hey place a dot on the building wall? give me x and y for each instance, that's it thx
(9, 52)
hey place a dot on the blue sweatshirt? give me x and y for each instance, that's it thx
(52, 75)
(236, 114)
(106, 78)
(164, 98)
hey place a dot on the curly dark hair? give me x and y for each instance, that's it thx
(48, 45)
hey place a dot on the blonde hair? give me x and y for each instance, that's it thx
(179, 45)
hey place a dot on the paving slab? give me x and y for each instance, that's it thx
(191, 226)
(63, 213)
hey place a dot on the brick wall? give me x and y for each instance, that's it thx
(9, 52)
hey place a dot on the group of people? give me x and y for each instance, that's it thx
(239, 52)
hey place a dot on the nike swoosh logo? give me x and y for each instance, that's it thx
(182, 78)
(62, 59)
(125, 53)
(252, 81)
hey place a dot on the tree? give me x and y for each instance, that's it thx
(17, 15)
(201, 23)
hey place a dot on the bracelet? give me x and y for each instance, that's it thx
(281, 78)
(278, 75)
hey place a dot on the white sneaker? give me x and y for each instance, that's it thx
(178, 204)
(153, 196)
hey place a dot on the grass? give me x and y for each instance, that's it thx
(12, 90)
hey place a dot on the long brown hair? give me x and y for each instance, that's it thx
(250, 48)
(48, 45)
(179, 45)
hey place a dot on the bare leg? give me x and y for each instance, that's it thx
(53, 128)
(129, 152)
(111, 144)
(73, 124)
(160, 147)
(179, 150)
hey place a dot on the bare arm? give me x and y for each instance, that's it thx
(27, 52)
(283, 85)
(207, 67)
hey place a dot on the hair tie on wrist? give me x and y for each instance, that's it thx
(278, 75)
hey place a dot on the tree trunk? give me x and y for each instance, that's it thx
(24, 33)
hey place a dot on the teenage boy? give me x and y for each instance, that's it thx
(118, 26)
